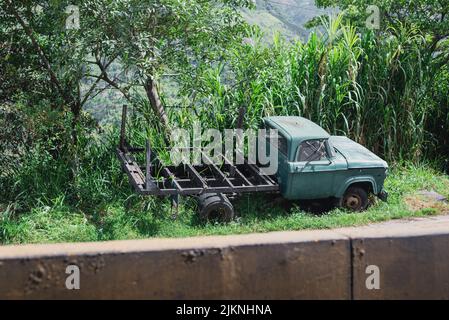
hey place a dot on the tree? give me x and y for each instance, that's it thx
(151, 37)
(146, 38)
(46, 57)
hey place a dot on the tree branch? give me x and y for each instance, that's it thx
(94, 85)
(104, 76)
(40, 52)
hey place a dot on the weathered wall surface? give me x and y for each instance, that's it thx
(280, 265)
(412, 258)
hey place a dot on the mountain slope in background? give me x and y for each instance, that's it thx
(287, 17)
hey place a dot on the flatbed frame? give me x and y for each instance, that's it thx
(154, 178)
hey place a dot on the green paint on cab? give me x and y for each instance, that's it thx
(315, 165)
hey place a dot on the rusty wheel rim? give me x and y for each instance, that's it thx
(353, 202)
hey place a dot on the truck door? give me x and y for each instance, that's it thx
(312, 172)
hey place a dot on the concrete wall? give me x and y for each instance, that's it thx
(413, 261)
(413, 258)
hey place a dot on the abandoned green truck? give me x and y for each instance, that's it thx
(311, 165)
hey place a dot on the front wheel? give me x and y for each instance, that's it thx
(355, 199)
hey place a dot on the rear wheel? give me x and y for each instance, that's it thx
(215, 207)
(355, 199)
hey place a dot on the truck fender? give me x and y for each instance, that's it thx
(341, 191)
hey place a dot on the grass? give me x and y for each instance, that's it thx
(138, 218)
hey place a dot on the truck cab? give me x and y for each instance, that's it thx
(315, 165)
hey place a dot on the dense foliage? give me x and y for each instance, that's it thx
(379, 90)
(176, 62)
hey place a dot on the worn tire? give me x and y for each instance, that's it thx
(215, 207)
(355, 199)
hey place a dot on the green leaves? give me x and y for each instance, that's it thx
(356, 82)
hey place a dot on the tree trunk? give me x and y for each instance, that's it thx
(76, 114)
(155, 101)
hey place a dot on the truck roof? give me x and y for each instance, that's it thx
(297, 128)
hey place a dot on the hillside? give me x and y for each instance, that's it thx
(285, 16)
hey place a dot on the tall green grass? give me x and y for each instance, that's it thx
(131, 217)
(374, 88)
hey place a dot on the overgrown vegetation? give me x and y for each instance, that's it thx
(108, 210)
(60, 181)
(379, 90)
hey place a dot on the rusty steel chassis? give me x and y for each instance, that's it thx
(154, 178)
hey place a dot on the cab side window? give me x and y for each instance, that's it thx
(282, 141)
(282, 144)
(312, 150)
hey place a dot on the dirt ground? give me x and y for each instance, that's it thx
(427, 200)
